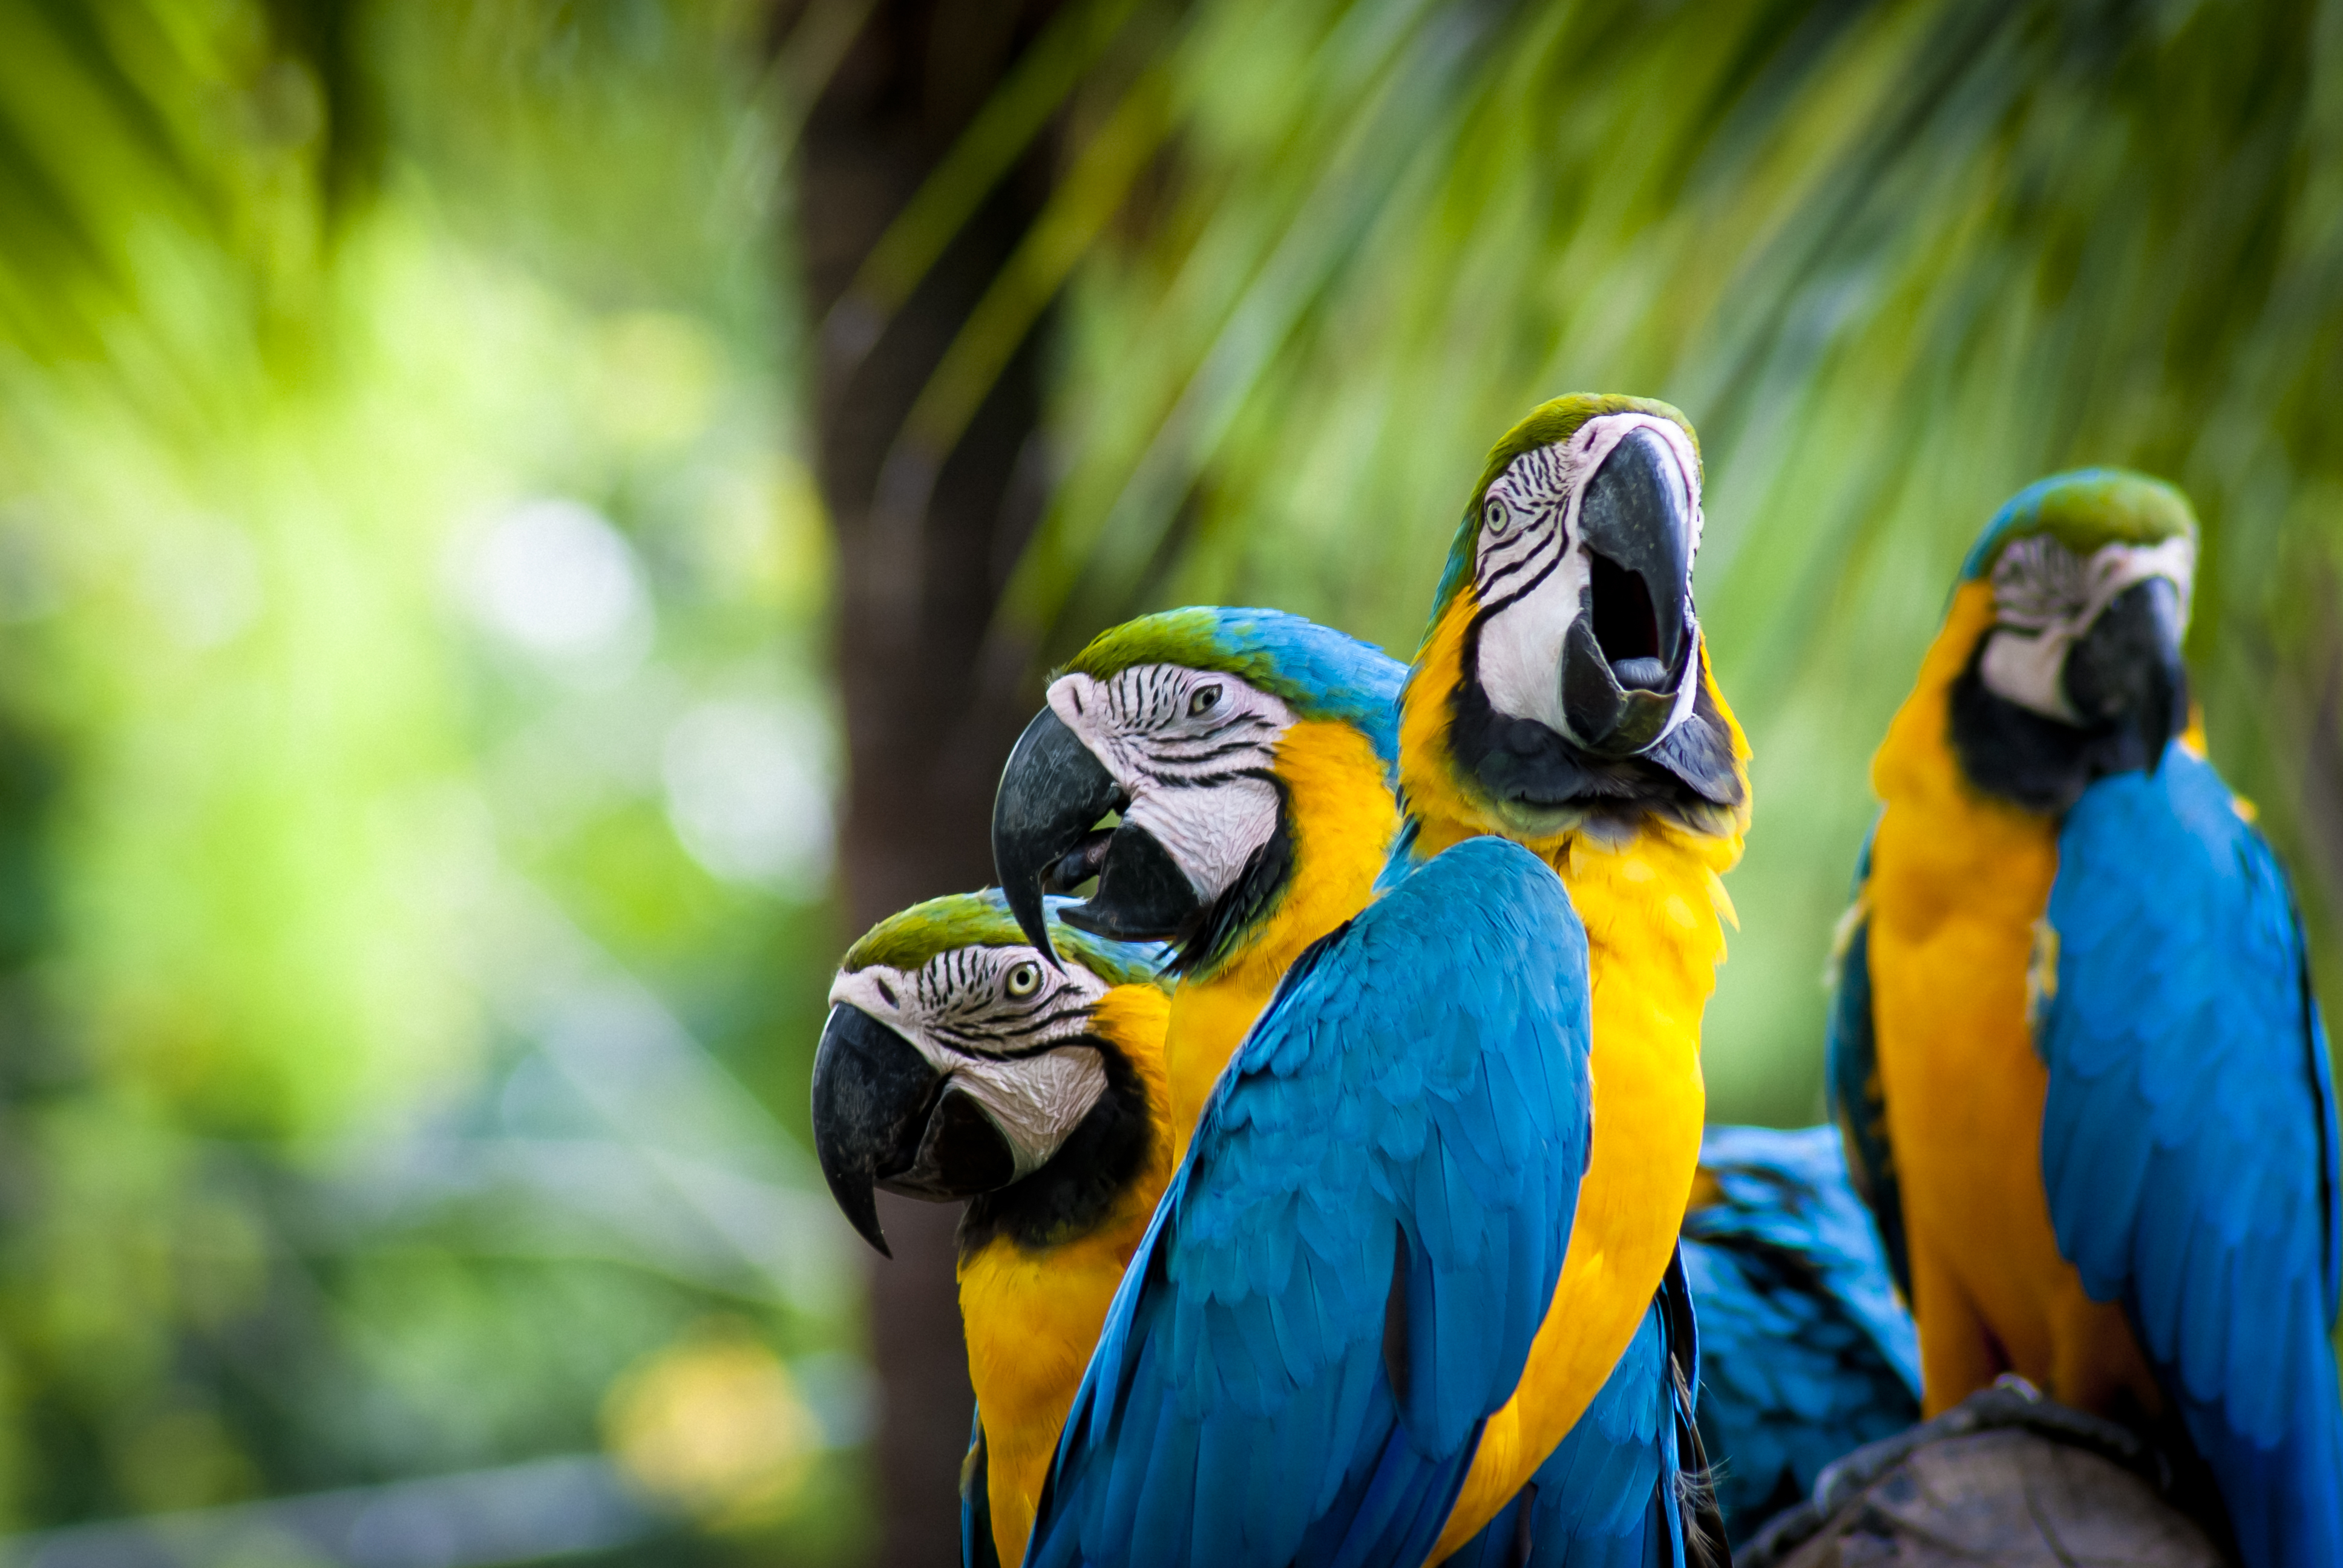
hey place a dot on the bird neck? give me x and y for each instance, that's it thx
(1031, 1310)
(1941, 839)
(1430, 779)
(1341, 819)
(1443, 741)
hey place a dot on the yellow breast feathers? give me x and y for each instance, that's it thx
(1032, 1317)
(1960, 881)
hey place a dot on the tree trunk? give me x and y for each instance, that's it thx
(920, 567)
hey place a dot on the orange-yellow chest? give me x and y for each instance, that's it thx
(1033, 1316)
(1341, 819)
(1958, 885)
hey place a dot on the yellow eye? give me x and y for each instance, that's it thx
(1022, 980)
(1205, 699)
(1496, 517)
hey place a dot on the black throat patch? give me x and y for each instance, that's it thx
(1687, 779)
(2035, 762)
(1067, 1196)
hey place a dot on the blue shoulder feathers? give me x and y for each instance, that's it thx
(1344, 1278)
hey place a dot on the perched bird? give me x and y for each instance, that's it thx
(1250, 754)
(1562, 698)
(1115, 736)
(1343, 1338)
(2078, 1056)
(1273, 727)
(1297, 728)
(1806, 1354)
(959, 1063)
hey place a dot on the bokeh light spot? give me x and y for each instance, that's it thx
(714, 1426)
(748, 790)
(555, 578)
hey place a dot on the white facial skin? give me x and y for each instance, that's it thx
(2045, 596)
(985, 1017)
(1532, 568)
(1192, 748)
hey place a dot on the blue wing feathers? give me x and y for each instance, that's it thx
(976, 1545)
(1604, 1498)
(1422, 1075)
(1595, 1496)
(2188, 1137)
(2320, 1070)
(1858, 1104)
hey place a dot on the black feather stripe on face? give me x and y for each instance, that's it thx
(959, 1003)
(1193, 753)
(1536, 491)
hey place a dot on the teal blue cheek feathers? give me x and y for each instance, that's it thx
(2189, 1142)
(1345, 1276)
(1806, 1351)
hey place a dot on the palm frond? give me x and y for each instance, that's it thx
(1894, 260)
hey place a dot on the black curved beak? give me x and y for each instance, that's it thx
(1142, 894)
(1052, 792)
(1045, 839)
(2126, 668)
(883, 1118)
(1624, 658)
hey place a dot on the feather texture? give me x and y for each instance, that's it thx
(1396, 1151)
(2189, 1140)
(1806, 1351)
(977, 1549)
(1857, 1104)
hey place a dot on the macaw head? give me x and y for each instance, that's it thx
(1187, 726)
(2076, 596)
(957, 1063)
(1562, 683)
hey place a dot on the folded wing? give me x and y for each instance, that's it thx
(2188, 1142)
(1344, 1278)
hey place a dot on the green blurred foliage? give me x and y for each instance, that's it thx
(413, 761)
(1894, 260)
(414, 751)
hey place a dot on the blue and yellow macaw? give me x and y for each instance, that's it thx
(2078, 1057)
(1408, 1249)
(960, 1063)
(926, 1064)
(1622, 767)
(1252, 756)
(1806, 1354)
